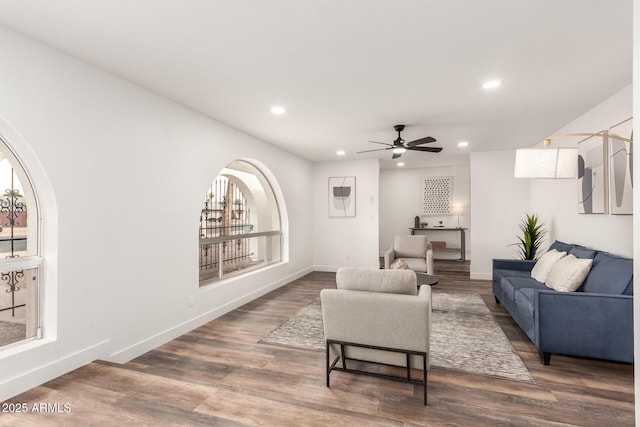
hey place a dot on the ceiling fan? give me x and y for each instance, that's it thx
(400, 146)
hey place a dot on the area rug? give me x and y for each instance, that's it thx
(464, 336)
(12, 332)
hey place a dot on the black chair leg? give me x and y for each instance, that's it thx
(328, 364)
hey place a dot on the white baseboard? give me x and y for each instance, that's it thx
(334, 268)
(154, 341)
(480, 276)
(46, 372)
(326, 268)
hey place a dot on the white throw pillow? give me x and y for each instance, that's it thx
(399, 264)
(544, 265)
(568, 273)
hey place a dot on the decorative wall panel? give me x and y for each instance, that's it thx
(592, 175)
(621, 169)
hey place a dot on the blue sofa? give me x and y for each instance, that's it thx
(595, 321)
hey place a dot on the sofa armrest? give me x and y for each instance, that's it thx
(514, 264)
(379, 319)
(430, 269)
(389, 257)
(585, 324)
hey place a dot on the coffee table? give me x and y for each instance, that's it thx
(426, 279)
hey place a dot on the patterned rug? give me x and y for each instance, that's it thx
(464, 336)
(12, 332)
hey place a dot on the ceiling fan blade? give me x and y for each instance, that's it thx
(383, 143)
(377, 149)
(425, 140)
(395, 156)
(429, 149)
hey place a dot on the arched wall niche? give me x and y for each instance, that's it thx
(243, 222)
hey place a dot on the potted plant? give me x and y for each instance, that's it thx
(533, 233)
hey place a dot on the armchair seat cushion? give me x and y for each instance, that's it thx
(416, 264)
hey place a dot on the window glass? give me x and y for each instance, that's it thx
(19, 264)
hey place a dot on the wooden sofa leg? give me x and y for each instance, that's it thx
(545, 358)
(497, 300)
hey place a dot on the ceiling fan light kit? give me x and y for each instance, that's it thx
(400, 146)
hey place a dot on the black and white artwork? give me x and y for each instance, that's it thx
(342, 196)
(436, 195)
(592, 175)
(621, 169)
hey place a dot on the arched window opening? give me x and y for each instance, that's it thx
(19, 260)
(240, 226)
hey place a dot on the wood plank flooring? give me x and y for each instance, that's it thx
(220, 375)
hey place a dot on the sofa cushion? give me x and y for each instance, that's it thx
(524, 298)
(561, 246)
(609, 274)
(500, 273)
(544, 265)
(568, 273)
(582, 252)
(511, 284)
(373, 280)
(410, 246)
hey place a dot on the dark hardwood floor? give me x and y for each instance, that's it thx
(219, 374)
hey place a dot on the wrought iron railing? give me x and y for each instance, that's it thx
(13, 240)
(224, 255)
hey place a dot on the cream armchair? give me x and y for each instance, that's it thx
(415, 250)
(377, 316)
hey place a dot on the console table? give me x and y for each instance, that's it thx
(461, 249)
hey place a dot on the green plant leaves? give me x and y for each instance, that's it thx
(532, 236)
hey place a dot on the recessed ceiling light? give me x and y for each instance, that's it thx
(341, 152)
(463, 144)
(400, 164)
(278, 110)
(491, 84)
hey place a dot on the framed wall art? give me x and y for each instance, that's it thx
(342, 196)
(621, 169)
(592, 175)
(436, 195)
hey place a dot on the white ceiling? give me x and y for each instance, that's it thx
(348, 70)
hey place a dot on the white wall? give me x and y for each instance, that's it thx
(499, 203)
(636, 201)
(557, 200)
(351, 241)
(401, 195)
(124, 172)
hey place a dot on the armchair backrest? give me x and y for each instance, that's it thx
(371, 280)
(410, 246)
